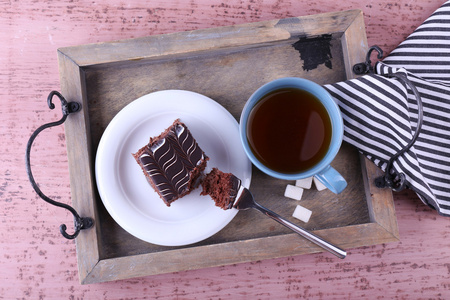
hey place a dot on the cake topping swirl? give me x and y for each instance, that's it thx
(172, 162)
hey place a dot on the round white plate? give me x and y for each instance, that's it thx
(123, 188)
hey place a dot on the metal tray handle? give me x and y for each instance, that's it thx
(393, 179)
(67, 108)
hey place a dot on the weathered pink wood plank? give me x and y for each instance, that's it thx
(38, 263)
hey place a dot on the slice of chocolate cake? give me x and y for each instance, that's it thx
(222, 187)
(172, 162)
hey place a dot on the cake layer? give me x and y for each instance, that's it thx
(172, 162)
(222, 187)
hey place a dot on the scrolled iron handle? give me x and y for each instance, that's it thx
(67, 108)
(393, 179)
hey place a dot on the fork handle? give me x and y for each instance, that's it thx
(303, 232)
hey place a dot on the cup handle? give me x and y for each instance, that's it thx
(332, 179)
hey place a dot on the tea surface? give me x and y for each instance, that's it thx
(289, 130)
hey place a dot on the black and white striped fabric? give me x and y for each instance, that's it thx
(380, 113)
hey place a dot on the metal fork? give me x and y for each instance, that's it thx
(244, 200)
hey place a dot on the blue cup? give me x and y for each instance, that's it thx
(320, 170)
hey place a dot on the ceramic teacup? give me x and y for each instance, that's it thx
(291, 128)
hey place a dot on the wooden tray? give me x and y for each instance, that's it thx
(226, 64)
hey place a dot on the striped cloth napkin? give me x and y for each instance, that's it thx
(381, 112)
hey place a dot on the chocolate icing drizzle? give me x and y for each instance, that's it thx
(169, 161)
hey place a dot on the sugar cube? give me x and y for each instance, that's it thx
(304, 183)
(293, 192)
(302, 213)
(319, 185)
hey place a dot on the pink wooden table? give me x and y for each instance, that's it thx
(38, 263)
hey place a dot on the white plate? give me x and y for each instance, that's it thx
(123, 188)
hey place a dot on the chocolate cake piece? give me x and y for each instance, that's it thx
(222, 187)
(172, 162)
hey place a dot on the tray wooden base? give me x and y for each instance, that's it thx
(226, 64)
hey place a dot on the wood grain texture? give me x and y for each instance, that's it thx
(215, 62)
(37, 263)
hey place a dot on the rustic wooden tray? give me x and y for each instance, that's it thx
(226, 64)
